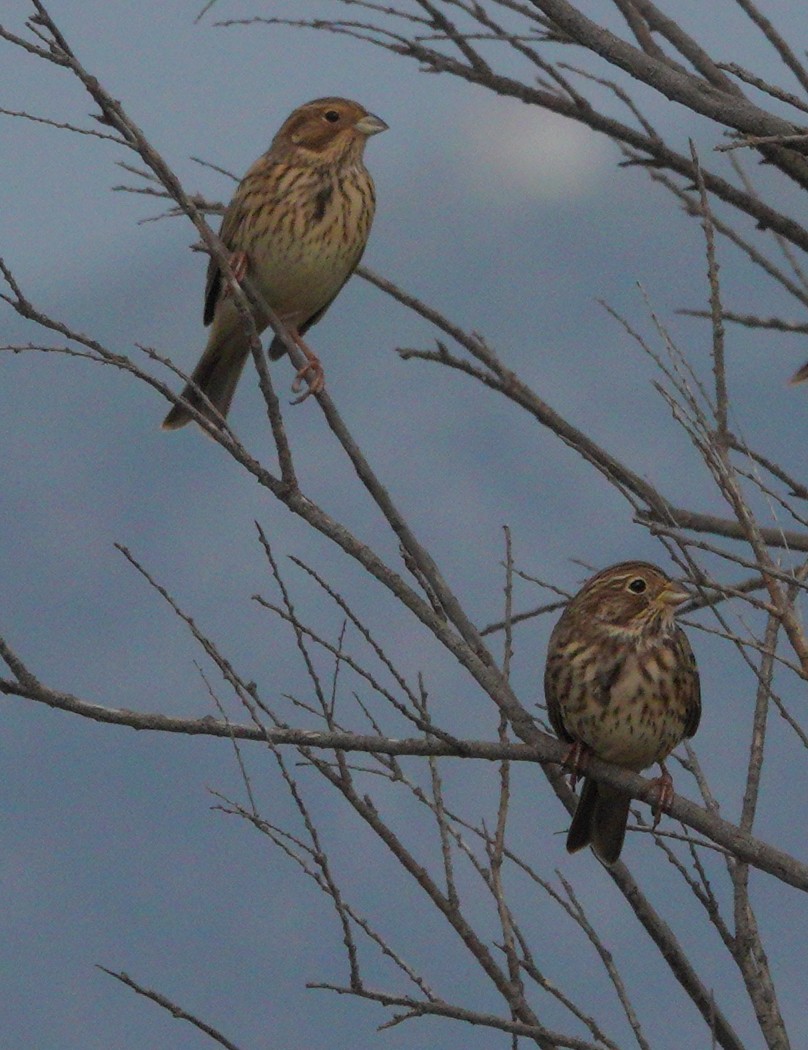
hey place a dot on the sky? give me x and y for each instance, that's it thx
(513, 223)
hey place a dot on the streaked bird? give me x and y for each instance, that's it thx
(296, 230)
(621, 683)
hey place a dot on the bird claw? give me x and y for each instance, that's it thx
(315, 382)
(576, 760)
(663, 785)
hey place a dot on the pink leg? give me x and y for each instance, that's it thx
(311, 372)
(239, 264)
(665, 793)
(576, 760)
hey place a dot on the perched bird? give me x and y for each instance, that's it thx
(296, 229)
(621, 683)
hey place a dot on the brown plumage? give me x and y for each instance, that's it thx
(621, 683)
(296, 227)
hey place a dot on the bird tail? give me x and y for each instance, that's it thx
(217, 375)
(600, 821)
(277, 348)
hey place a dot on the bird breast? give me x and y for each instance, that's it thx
(311, 250)
(636, 718)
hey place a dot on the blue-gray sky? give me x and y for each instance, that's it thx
(514, 224)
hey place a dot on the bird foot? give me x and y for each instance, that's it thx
(576, 760)
(663, 786)
(315, 381)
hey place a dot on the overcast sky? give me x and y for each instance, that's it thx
(513, 223)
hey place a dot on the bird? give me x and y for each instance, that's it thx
(621, 683)
(295, 229)
(799, 376)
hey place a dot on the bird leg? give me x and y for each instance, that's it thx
(665, 794)
(315, 380)
(576, 760)
(312, 371)
(239, 265)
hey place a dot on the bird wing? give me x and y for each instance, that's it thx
(231, 222)
(554, 713)
(692, 685)
(213, 286)
(559, 673)
(553, 672)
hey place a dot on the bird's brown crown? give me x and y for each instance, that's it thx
(633, 596)
(326, 128)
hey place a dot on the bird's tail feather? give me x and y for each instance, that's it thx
(277, 348)
(600, 821)
(217, 375)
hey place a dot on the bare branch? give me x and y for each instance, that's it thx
(172, 1008)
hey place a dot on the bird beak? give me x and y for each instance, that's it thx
(673, 595)
(370, 125)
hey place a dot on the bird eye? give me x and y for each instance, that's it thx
(331, 115)
(638, 585)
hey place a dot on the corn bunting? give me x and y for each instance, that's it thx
(620, 683)
(296, 229)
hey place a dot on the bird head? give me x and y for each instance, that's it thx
(633, 598)
(327, 130)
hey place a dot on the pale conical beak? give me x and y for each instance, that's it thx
(674, 595)
(370, 125)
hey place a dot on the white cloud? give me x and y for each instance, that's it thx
(530, 151)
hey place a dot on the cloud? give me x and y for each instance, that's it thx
(528, 151)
